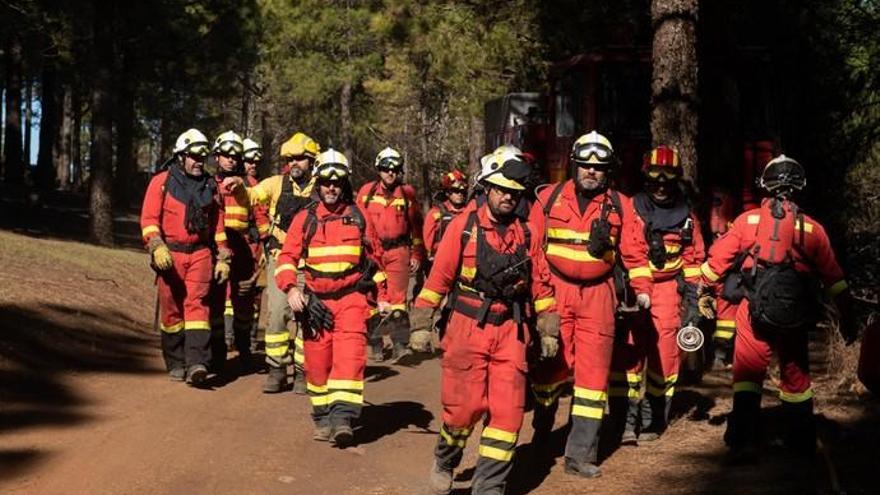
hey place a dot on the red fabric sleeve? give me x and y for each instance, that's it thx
(634, 249)
(445, 267)
(374, 253)
(290, 255)
(694, 254)
(542, 291)
(821, 254)
(416, 222)
(724, 251)
(151, 211)
(430, 229)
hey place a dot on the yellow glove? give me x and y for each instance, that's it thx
(706, 305)
(221, 271)
(162, 257)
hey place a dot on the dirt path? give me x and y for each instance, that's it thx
(86, 408)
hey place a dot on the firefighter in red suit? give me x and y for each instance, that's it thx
(491, 267)
(454, 186)
(586, 224)
(396, 213)
(341, 256)
(781, 252)
(721, 218)
(670, 250)
(236, 294)
(260, 226)
(182, 227)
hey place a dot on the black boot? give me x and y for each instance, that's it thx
(630, 436)
(543, 418)
(742, 428)
(801, 425)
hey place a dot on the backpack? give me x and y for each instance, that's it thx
(310, 227)
(781, 299)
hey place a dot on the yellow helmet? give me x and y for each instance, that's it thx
(229, 143)
(253, 152)
(592, 148)
(332, 165)
(389, 158)
(300, 145)
(191, 141)
(506, 169)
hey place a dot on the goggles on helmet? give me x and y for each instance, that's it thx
(661, 174)
(332, 172)
(591, 154)
(389, 164)
(197, 150)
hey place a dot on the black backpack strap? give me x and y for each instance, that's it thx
(310, 226)
(557, 190)
(371, 193)
(616, 205)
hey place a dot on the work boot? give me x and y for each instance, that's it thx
(321, 433)
(299, 383)
(583, 469)
(543, 418)
(742, 428)
(276, 380)
(342, 435)
(440, 480)
(177, 374)
(629, 436)
(399, 351)
(196, 375)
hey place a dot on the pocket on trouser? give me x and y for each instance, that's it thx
(461, 392)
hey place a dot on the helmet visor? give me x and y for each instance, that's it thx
(332, 171)
(389, 164)
(661, 174)
(592, 153)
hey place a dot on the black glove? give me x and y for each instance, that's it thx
(319, 314)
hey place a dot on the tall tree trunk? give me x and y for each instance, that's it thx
(28, 120)
(476, 145)
(165, 138)
(674, 86)
(345, 121)
(76, 139)
(49, 118)
(267, 138)
(61, 149)
(100, 173)
(14, 164)
(245, 107)
(125, 160)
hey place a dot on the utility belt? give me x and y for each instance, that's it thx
(483, 314)
(579, 283)
(403, 240)
(179, 247)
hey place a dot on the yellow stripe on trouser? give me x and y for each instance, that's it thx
(547, 394)
(748, 387)
(588, 403)
(196, 325)
(277, 344)
(622, 384)
(661, 385)
(795, 397)
(228, 311)
(338, 396)
(172, 328)
(497, 444)
(455, 438)
(299, 356)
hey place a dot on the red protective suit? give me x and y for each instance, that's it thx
(436, 222)
(753, 349)
(586, 298)
(397, 217)
(183, 289)
(484, 366)
(334, 262)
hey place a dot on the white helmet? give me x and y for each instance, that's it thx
(253, 152)
(229, 143)
(332, 165)
(191, 141)
(489, 163)
(389, 158)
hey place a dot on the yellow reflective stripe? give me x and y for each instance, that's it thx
(670, 266)
(263, 228)
(395, 307)
(196, 325)
(228, 311)
(640, 272)
(430, 296)
(837, 287)
(587, 411)
(808, 227)
(747, 387)
(585, 393)
(346, 384)
(496, 434)
(150, 229)
(570, 254)
(692, 271)
(543, 304)
(276, 352)
(277, 338)
(416, 241)
(708, 273)
(724, 334)
(236, 210)
(672, 248)
(398, 202)
(796, 396)
(284, 268)
(468, 271)
(753, 219)
(334, 251)
(634, 378)
(379, 277)
(725, 324)
(220, 237)
(455, 442)
(298, 342)
(172, 328)
(567, 234)
(378, 199)
(333, 266)
(337, 396)
(317, 389)
(496, 453)
(234, 223)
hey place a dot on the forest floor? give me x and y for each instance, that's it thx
(86, 407)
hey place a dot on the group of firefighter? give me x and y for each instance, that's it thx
(523, 287)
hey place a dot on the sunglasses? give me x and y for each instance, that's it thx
(294, 158)
(514, 193)
(457, 190)
(598, 167)
(389, 170)
(331, 183)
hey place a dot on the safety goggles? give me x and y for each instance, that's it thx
(457, 190)
(197, 151)
(592, 153)
(390, 165)
(294, 158)
(253, 156)
(598, 167)
(338, 183)
(228, 148)
(661, 174)
(332, 171)
(389, 170)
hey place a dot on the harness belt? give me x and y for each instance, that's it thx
(483, 313)
(404, 240)
(179, 247)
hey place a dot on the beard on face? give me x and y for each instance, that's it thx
(330, 196)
